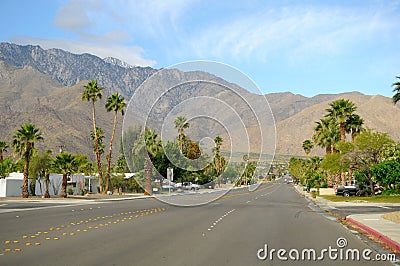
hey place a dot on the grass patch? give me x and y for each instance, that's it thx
(376, 199)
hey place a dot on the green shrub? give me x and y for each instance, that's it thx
(391, 192)
(70, 191)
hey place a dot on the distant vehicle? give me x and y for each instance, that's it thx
(289, 181)
(168, 187)
(188, 186)
(348, 191)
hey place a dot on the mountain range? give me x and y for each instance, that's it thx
(44, 87)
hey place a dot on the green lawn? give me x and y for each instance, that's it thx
(377, 198)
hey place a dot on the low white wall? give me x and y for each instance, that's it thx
(54, 186)
(327, 191)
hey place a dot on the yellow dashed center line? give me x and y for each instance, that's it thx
(60, 228)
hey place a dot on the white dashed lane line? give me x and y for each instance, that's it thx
(219, 220)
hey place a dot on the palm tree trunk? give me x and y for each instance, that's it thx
(330, 181)
(96, 143)
(64, 186)
(147, 190)
(337, 176)
(342, 132)
(343, 178)
(46, 182)
(109, 154)
(25, 193)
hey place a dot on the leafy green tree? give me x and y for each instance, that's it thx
(396, 96)
(115, 103)
(40, 167)
(340, 110)
(6, 167)
(24, 143)
(3, 149)
(121, 166)
(368, 149)
(92, 93)
(391, 153)
(387, 173)
(65, 164)
(307, 146)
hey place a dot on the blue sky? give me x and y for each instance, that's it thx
(305, 47)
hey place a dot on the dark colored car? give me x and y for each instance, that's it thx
(348, 191)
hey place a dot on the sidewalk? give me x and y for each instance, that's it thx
(374, 224)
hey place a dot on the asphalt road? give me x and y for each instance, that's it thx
(236, 229)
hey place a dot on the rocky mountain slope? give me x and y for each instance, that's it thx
(44, 87)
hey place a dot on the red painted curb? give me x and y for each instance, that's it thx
(391, 243)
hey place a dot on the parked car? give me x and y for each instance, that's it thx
(348, 191)
(188, 186)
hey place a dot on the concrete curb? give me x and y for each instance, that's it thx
(391, 243)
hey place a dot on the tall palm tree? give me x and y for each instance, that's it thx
(65, 164)
(218, 159)
(326, 134)
(341, 110)
(354, 126)
(3, 149)
(307, 146)
(24, 144)
(117, 104)
(153, 146)
(396, 89)
(92, 93)
(147, 145)
(181, 124)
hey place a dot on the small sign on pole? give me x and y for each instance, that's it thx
(170, 174)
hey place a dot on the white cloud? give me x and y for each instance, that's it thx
(293, 33)
(74, 15)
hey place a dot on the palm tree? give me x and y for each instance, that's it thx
(218, 159)
(24, 144)
(100, 136)
(307, 146)
(341, 110)
(396, 89)
(65, 164)
(147, 145)
(3, 149)
(326, 134)
(180, 124)
(153, 146)
(92, 93)
(117, 104)
(354, 126)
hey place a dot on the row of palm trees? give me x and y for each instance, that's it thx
(339, 120)
(115, 103)
(28, 134)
